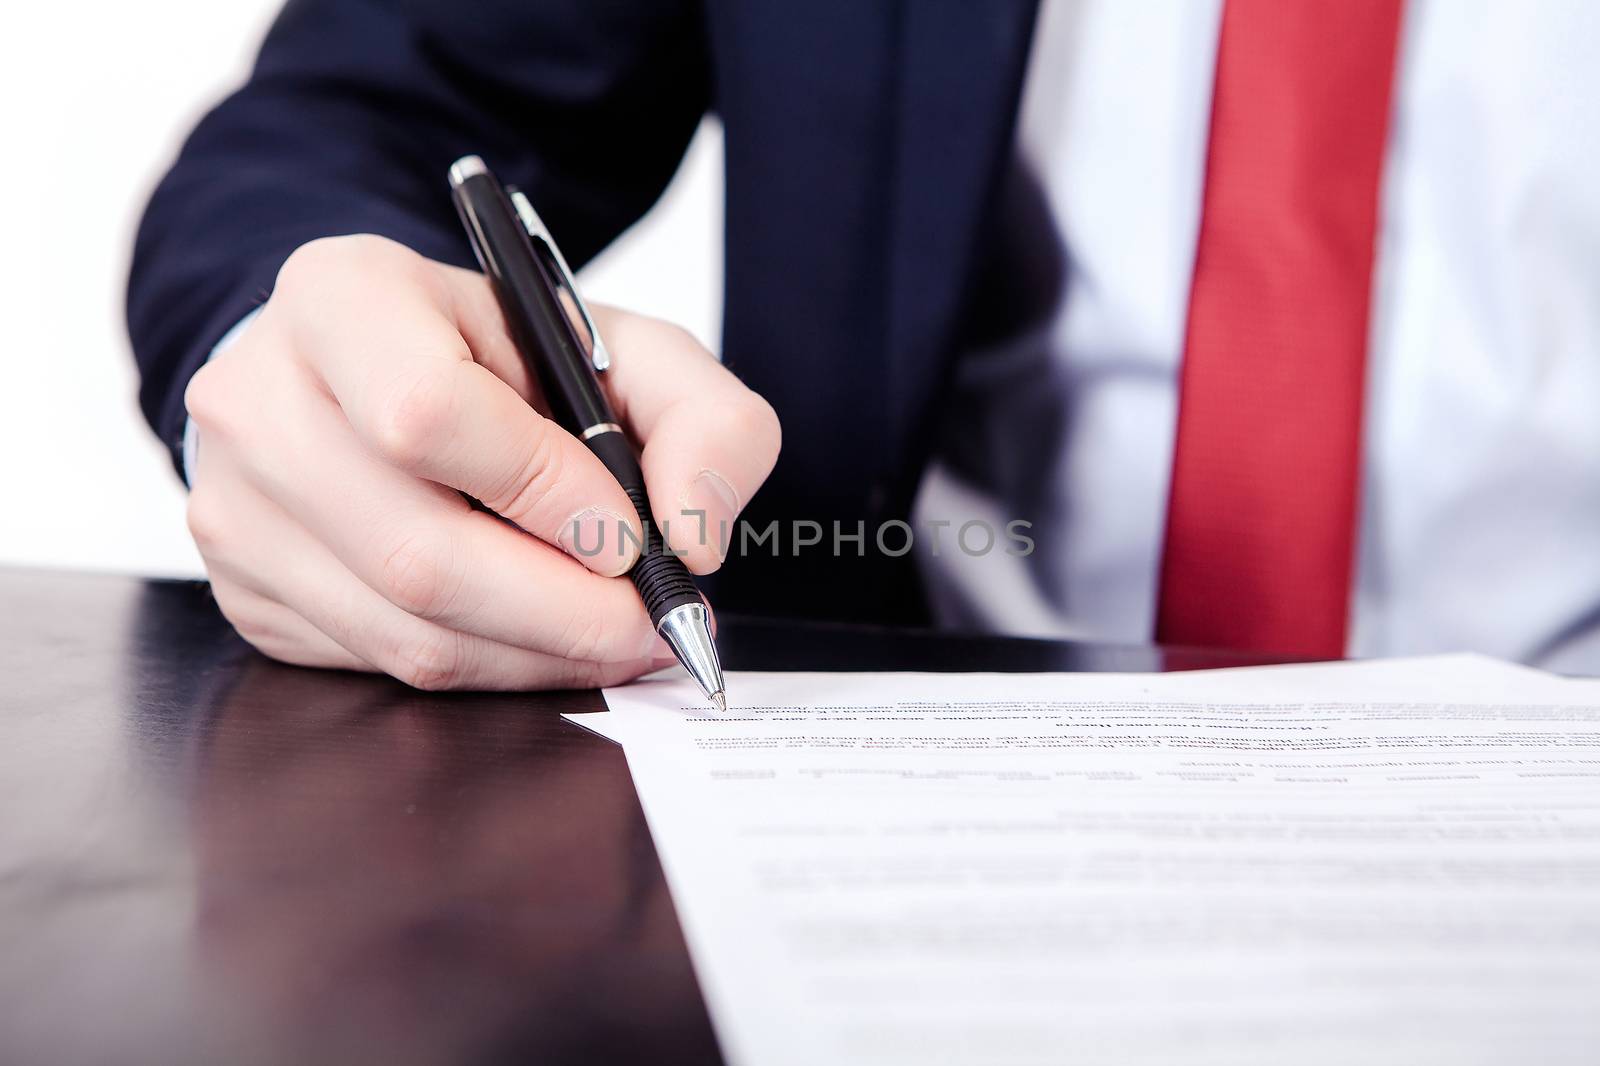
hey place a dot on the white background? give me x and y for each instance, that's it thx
(94, 101)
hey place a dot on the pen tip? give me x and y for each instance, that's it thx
(721, 701)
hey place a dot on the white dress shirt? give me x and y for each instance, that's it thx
(1480, 517)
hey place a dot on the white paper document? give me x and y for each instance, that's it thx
(1356, 863)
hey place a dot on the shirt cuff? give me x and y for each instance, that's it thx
(191, 434)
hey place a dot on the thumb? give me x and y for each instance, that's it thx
(703, 464)
(709, 441)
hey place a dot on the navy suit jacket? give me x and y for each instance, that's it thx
(865, 144)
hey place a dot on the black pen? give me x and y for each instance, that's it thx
(530, 278)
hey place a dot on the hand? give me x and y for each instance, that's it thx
(339, 431)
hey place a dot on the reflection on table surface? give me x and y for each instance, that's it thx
(212, 857)
(209, 857)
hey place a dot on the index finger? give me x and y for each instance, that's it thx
(409, 384)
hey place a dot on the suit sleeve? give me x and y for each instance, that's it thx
(349, 121)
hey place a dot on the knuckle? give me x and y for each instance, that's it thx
(758, 422)
(237, 607)
(586, 638)
(207, 522)
(419, 574)
(603, 675)
(749, 420)
(208, 398)
(674, 335)
(413, 422)
(433, 662)
(228, 393)
(254, 633)
(284, 650)
(229, 603)
(593, 634)
(308, 263)
(525, 498)
(317, 262)
(630, 332)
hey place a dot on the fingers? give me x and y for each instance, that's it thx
(315, 612)
(278, 632)
(408, 384)
(454, 423)
(422, 549)
(434, 388)
(709, 442)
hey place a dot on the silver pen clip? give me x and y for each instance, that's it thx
(538, 232)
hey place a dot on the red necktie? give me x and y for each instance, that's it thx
(1261, 523)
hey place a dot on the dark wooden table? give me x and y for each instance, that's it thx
(207, 857)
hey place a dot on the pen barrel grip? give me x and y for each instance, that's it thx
(661, 578)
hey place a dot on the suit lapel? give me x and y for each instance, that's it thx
(958, 80)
